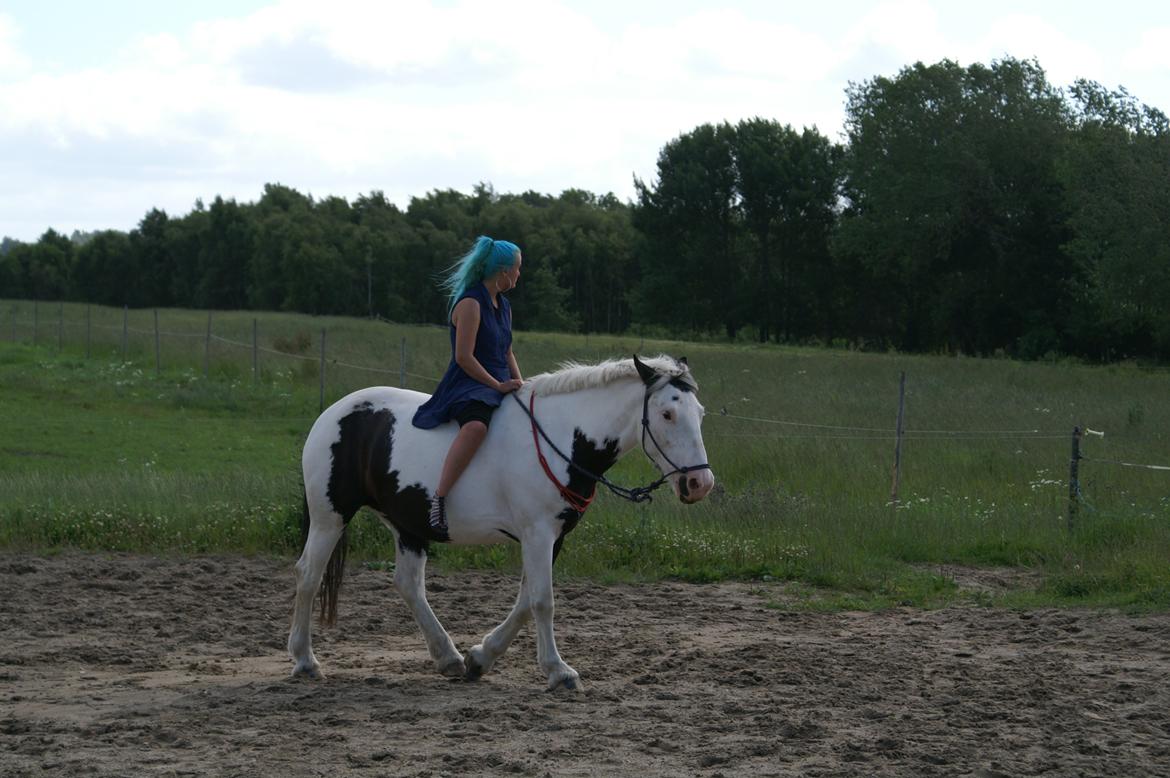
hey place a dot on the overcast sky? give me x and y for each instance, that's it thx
(110, 108)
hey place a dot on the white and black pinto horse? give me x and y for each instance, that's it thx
(364, 451)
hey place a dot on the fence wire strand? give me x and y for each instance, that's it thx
(1124, 464)
(889, 431)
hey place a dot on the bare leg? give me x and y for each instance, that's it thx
(409, 575)
(481, 657)
(323, 534)
(466, 443)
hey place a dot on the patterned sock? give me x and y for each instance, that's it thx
(438, 515)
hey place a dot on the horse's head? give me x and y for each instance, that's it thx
(670, 431)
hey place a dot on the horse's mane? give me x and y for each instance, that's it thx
(573, 376)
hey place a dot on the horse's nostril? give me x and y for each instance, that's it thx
(693, 483)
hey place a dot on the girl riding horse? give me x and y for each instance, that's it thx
(483, 368)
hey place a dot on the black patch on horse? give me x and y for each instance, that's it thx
(678, 383)
(360, 476)
(587, 456)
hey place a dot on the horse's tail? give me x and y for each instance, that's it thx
(331, 583)
(334, 569)
(306, 521)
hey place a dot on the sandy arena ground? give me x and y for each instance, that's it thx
(135, 665)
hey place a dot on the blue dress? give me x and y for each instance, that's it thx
(491, 349)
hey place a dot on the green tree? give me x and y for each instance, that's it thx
(787, 189)
(953, 215)
(1116, 174)
(104, 272)
(184, 241)
(225, 252)
(45, 266)
(692, 273)
(149, 243)
(11, 268)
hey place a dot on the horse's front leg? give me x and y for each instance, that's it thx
(481, 657)
(538, 557)
(409, 579)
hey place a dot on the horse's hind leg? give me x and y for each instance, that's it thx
(325, 529)
(409, 574)
(481, 657)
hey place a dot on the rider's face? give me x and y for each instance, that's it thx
(510, 277)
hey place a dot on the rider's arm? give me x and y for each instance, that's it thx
(513, 365)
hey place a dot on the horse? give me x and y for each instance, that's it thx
(363, 451)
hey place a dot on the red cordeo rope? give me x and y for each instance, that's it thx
(576, 501)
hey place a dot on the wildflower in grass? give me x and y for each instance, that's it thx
(1042, 481)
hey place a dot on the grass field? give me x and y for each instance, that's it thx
(102, 452)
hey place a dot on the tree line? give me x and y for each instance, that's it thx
(967, 210)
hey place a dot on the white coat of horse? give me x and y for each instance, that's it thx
(363, 451)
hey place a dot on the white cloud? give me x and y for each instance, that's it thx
(906, 29)
(1152, 54)
(412, 95)
(1026, 36)
(12, 61)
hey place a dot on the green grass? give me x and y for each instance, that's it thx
(103, 453)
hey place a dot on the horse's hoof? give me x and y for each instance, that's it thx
(311, 672)
(453, 668)
(478, 663)
(570, 682)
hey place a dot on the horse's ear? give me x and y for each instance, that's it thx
(645, 371)
(683, 361)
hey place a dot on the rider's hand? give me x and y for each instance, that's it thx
(511, 385)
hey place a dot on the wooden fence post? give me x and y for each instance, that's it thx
(207, 349)
(898, 438)
(322, 368)
(1074, 486)
(157, 347)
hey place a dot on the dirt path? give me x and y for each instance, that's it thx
(132, 665)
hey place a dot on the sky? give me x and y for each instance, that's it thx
(109, 109)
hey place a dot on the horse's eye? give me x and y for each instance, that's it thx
(667, 415)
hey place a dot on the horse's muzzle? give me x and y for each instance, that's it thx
(693, 487)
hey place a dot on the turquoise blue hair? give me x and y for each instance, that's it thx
(486, 258)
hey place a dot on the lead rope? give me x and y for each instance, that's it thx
(577, 502)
